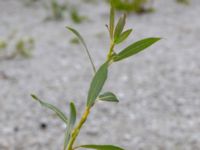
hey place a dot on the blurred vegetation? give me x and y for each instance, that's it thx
(76, 17)
(58, 9)
(3, 44)
(74, 41)
(22, 47)
(183, 1)
(138, 6)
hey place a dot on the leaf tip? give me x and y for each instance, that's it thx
(68, 27)
(34, 97)
(158, 38)
(72, 103)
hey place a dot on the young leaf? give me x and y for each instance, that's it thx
(97, 84)
(120, 26)
(101, 147)
(135, 48)
(112, 21)
(123, 36)
(70, 125)
(58, 112)
(84, 44)
(108, 96)
(72, 119)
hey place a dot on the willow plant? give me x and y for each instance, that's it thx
(95, 94)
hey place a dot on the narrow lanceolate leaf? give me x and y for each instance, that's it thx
(120, 26)
(112, 21)
(102, 147)
(72, 119)
(58, 112)
(84, 44)
(70, 125)
(123, 36)
(97, 84)
(108, 96)
(135, 48)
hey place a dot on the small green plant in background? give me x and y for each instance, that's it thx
(183, 1)
(137, 6)
(76, 17)
(57, 9)
(29, 2)
(23, 47)
(95, 93)
(74, 40)
(3, 44)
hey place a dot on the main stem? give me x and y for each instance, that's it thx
(112, 45)
(76, 130)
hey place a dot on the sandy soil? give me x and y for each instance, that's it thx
(158, 89)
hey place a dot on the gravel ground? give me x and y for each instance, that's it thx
(158, 89)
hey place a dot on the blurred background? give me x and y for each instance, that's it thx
(159, 89)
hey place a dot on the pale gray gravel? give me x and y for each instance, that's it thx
(159, 89)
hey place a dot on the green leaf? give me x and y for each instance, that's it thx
(97, 84)
(123, 36)
(135, 48)
(58, 112)
(112, 21)
(84, 44)
(72, 119)
(102, 147)
(120, 26)
(108, 96)
(70, 125)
